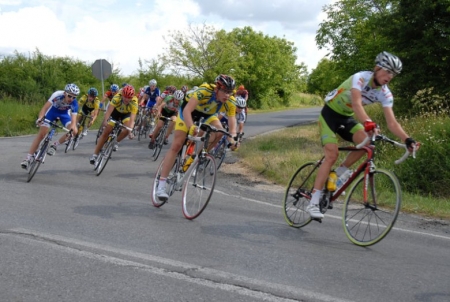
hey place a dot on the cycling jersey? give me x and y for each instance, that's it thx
(152, 95)
(120, 106)
(172, 104)
(87, 106)
(109, 94)
(208, 105)
(340, 99)
(60, 109)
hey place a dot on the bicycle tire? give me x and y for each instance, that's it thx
(37, 160)
(198, 187)
(298, 195)
(105, 156)
(367, 223)
(76, 141)
(159, 142)
(68, 144)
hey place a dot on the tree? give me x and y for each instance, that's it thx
(325, 77)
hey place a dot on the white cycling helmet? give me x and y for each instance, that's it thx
(152, 82)
(179, 95)
(389, 61)
(72, 88)
(240, 102)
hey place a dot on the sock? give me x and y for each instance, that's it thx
(161, 183)
(29, 156)
(315, 197)
(341, 170)
(56, 144)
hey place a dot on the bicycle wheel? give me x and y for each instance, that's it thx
(159, 142)
(366, 223)
(298, 195)
(220, 153)
(171, 182)
(99, 133)
(37, 160)
(198, 186)
(76, 141)
(105, 155)
(69, 144)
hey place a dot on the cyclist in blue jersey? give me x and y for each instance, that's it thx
(61, 105)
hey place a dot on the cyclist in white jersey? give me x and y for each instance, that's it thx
(344, 114)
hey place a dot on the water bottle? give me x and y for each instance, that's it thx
(343, 178)
(188, 162)
(331, 183)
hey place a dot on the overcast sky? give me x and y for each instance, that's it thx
(122, 31)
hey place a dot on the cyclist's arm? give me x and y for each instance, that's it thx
(357, 106)
(393, 125)
(107, 114)
(44, 109)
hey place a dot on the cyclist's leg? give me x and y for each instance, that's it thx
(171, 126)
(215, 137)
(43, 129)
(158, 127)
(103, 138)
(352, 157)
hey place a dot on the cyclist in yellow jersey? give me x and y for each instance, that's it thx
(123, 107)
(206, 101)
(88, 104)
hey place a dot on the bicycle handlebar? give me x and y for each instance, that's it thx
(379, 137)
(55, 125)
(120, 124)
(207, 127)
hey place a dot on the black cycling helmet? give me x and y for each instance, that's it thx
(93, 92)
(225, 81)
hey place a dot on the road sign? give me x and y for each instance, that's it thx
(101, 69)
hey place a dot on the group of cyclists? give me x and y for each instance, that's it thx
(342, 114)
(122, 104)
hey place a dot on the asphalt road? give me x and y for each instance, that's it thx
(69, 235)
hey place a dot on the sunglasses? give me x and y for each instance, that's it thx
(229, 92)
(241, 107)
(71, 96)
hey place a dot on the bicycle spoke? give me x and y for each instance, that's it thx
(366, 223)
(298, 194)
(198, 187)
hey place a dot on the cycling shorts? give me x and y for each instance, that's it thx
(332, 123)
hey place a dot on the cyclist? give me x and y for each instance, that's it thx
(344, 114)
(168, 108)
(61, 105)
(88, 104)
(241, 104)
(205, 102)
(149, 98)
(243, 93)
(113, 90)
(123, 107)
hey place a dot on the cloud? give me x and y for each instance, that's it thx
(123, 32)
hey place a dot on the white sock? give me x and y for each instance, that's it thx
(29, 156)
(315, 197)
(161, 183)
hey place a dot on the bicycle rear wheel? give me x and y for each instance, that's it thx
(366, 223)
(37, 160)
(198, 186)
(298, 195)
(170, 182)
(104, 155)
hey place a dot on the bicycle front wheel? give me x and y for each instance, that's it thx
(69, 144)
(36, 162)
(159, 142)
(366, 222)
(220, 153)
(298, 195)
(76, 141)
(105, 155)
(199, 186)
(171, 182)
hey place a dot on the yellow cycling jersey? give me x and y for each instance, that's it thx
(95, 104)
(207, 102)
(119, 105)
(230, 107)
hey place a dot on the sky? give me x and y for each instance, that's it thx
(124, 31)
